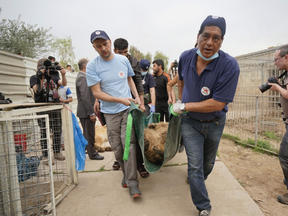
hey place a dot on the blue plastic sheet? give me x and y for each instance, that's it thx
(27, 167)
(80, 145)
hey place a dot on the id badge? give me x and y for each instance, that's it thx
(55, 94)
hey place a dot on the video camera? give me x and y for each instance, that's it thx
(3, 100)
(53, 68)
(264, 87)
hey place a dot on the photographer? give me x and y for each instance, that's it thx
(38, 82)
(45, 87)
(281, 62)
(173, 68)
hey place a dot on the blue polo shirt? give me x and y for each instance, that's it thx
(218, 81)
(113, 78)
(148, 82)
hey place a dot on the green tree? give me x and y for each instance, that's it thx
(136, 53)
(64, 52)
(149, 57)
(26, 40)
(163, 57)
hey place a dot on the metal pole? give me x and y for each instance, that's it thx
(256, 121)
(262, 73)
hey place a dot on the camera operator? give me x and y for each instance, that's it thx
(281, 62)
(173, 71)
(45, 84)
(52, 59)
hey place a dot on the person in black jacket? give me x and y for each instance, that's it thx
(85, 110)
(121, 48)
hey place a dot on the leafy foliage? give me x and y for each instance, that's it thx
(149, 57)
(158, 55)
(26, 40)
(136, 53)
(64, 49)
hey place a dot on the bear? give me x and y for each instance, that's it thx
(101, 143)
(154, 142)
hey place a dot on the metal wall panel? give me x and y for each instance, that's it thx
(15, 73)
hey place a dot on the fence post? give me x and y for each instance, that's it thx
(262, 73)
(256, 121)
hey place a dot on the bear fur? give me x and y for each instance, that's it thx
(101, 143)
(154, 142)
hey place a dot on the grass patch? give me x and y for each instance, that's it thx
(271, 135)
(58, 173)
(169, 165)
(228, 136)
(263, 146)
(240, 182)
(102, 169)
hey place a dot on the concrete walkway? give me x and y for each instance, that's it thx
(163, 193)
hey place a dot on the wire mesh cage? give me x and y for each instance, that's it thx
(37, 169)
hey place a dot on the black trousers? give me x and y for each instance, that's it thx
(283, 155)
(55, 123)
(89, 134)
(162, 108)
(147, 111)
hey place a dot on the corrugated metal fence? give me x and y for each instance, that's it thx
(15, 73)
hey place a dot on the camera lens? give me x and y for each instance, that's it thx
(264, 87)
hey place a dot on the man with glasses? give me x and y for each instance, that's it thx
(281, 62)
(207, 82)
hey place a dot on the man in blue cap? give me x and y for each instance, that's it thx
(208, 79)
(110, 78)
(148, 85)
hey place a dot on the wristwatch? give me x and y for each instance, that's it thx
(182, 107)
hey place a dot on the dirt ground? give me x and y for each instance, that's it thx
(260, 175)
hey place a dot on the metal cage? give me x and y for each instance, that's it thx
(254, 118)
(32, 181)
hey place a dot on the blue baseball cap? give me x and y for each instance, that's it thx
(144, 64)
(215, 21)
(98, 34)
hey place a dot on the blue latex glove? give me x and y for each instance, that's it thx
(152, 109)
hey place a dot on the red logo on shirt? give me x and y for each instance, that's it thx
(205, 91)
(121, 74)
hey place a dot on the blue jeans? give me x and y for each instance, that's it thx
(201, 141)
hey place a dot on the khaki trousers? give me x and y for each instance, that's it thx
(116, 131)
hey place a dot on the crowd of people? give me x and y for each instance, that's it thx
(203, 83)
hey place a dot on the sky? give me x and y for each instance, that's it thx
(169, 26)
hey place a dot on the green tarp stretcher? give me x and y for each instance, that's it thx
(140, 122)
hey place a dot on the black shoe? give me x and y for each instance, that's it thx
(283, 199)
(97, 157)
